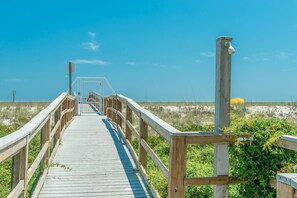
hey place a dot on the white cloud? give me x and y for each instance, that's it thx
(208, 54)
(91, 46)
(131, 63)
(13, 80)
(92, 62)
(92, 35)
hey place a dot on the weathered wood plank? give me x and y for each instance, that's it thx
(37, 160)
(24, 154)
(177, 167)
(285, 190)
(155, 158)
(142, 154)
(120, 116)
(134, 154)
(54, 152)
(211, 139)
(216, 180)
(55, 129)
(40, 183)
(132, 129)
(12, 150)
(17, 190)
(129, 121)
(291, 145)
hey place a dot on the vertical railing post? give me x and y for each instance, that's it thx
(60, 119)
(177, 167)
(67, 114)
(286, 185)
(114, 107)
(109, 113)
(106, 106)
(45, 137)
(143, 135)
(119, 119)
(222, 110)
(102, 103)
(128, 118)
(76, 106)
(20, 167)
(15, 170)
(105, 103)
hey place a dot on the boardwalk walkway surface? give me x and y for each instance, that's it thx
(92, 161)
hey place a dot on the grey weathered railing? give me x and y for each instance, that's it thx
(51, 123)
(287, 182)
(178, 141)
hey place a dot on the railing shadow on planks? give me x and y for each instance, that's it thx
(51, 124)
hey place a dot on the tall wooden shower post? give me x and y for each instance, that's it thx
(224, 50)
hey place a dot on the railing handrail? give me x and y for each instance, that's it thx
(163, 127)
(154, 120)
(50, 123)
(32, 125)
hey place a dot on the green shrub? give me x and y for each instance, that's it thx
(259, 161)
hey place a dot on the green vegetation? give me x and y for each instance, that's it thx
(259, 161)
(19, 115)
(255, 162)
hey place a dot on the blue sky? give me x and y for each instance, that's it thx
(150, 50)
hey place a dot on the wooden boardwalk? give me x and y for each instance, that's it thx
(92, 161)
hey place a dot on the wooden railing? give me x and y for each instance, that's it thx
(178, 141)
(50, 123)
(95, 99)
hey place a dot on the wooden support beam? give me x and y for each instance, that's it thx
(24, 166)
(214, 138)
(15, 170)
(133, 130)
(12, 150)
(285, 190)
(119, 109)
(155, 158)
(129, 120)
(114, 106)
(61, 121)
(291, 145)
(38, 160)
(286, 185)
(45, 138)
(177, 167)
(143, 135)
(217, 180)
